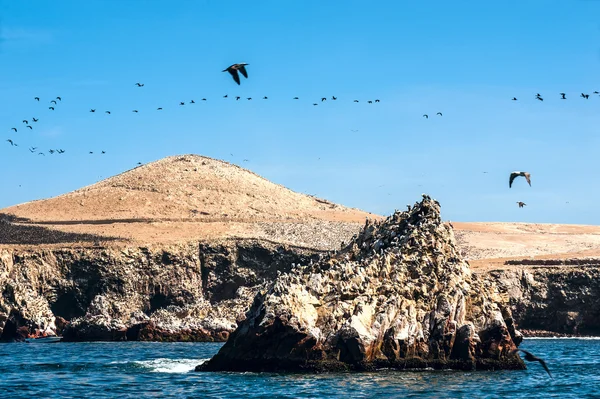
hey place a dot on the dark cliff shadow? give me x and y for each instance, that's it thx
(12, 232)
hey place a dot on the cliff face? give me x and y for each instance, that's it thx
(555, 297)
(398, 295)
(188, 292)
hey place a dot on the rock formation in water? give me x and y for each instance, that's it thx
(398, 296)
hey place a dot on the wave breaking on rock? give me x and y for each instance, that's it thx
(399, 295)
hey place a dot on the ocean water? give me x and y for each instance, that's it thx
(165, 370)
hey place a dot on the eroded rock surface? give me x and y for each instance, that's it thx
(194, 292)
(399, 295)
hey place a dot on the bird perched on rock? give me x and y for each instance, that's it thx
(514, 175)
(521, 204)
(563, 96)
(530, 357)
(233, 70)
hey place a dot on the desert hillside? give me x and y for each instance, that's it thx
(183, 198)
(191, 197)
(490, 244)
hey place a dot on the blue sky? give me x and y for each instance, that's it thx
(464, 59)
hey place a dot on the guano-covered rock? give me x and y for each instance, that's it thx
(397, 296)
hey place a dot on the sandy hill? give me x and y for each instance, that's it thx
(490, 244)
(181, 198)
(191, 197)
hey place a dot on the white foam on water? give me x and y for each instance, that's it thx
(164, 365)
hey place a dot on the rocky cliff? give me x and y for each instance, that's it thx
(398, 295)
(558, 297)
(188, 292)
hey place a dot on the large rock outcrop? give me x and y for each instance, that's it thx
(192, 292)
(398, 296)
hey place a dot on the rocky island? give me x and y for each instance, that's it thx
(397, 296)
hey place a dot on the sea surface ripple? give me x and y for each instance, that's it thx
(165, 370)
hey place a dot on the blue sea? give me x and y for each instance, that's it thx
(165, 370)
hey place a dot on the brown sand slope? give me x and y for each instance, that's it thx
(186, 197)
(490, 244)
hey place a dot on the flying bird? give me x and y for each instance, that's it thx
(61, 151)
(59, 99)
(295, 98)
(33, 149)
(159, 109)
(51, 108)
(107, 112)
(426, 116)
(225, 96)
(514, 175)
(139, 84)
(204, 99)
(11, 142)
(586, 96)
(35, 120)
(25, 121)
(315, 104)
(36, 98)
(370, 102)
(91, 152)
(540, 98)
(51, 151)
(139, 163)
(377, 101)
(323, 99)
(181, 103)
(192, 102)
(41, 153)
(14, 128)
(233, 70)
(53, 102)
(521, 204)
(135, 110)
(596, 92)
(92, 110)
(530, 357)
(265, 98)
(439, 113)
(237, 98)
(563, 96)
(30, 127)
(355, 101)
(514, 98)
(103, 152)
(333, 97)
